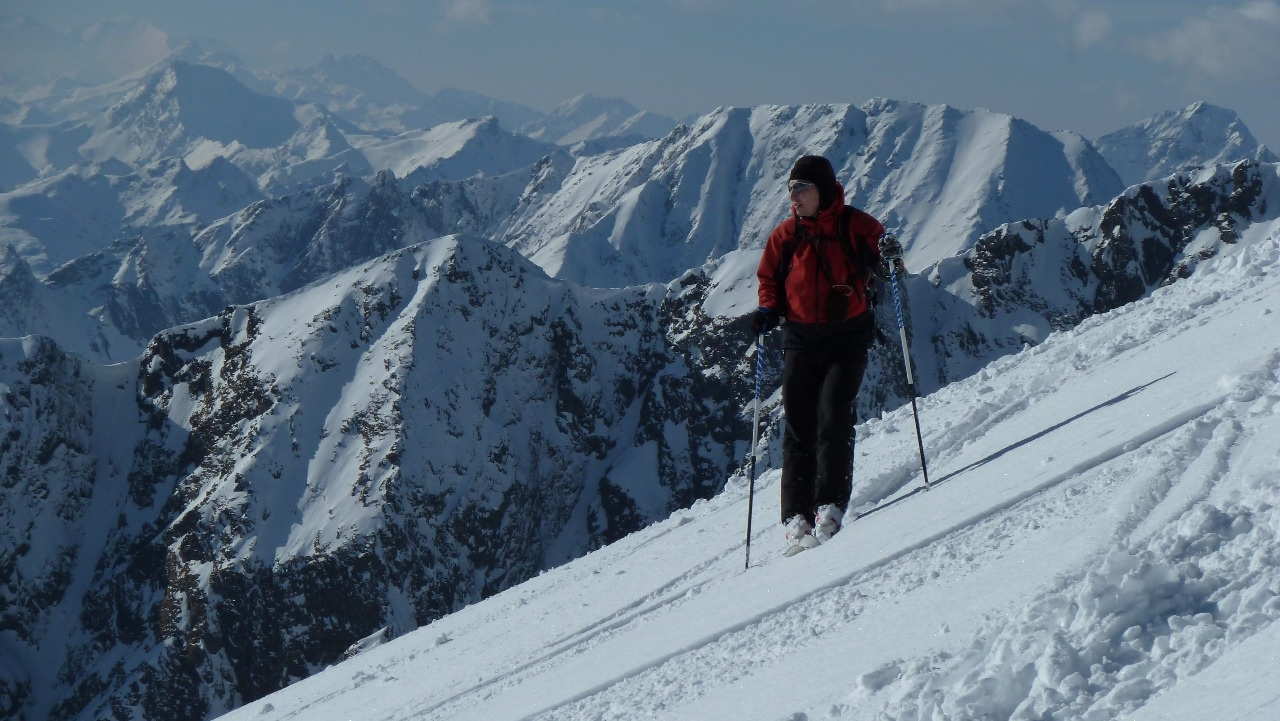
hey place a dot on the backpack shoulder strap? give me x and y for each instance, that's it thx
(852, 250)
(788, 250)
(846, 218)
(855, 245)
(785, 258)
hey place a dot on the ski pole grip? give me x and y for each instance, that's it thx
(890, 248)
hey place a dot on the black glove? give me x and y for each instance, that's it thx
(890, 248)
(763, 321)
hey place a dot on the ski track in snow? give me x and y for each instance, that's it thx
(1157, 537)
(789, 631)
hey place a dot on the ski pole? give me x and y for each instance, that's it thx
(755, 439)
(891, 251)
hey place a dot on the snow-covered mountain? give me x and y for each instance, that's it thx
(198, 112)
(77, 212)
(475, 148)
(362, 91)
(36, 80)
(370, 95)
(201, 113)
(28, 152)
(588, 117)
(1177, 140)
(108, 302)
(644, 213)
(939, 177)
(444, 422)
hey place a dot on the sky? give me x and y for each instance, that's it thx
(1101, 540)
(1083, 65)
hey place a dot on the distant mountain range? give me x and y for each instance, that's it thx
(44, 82)
(289, 361)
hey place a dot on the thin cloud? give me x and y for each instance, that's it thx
(1087, 28)
(468, 11)
(1092, 29)
(1225, 44)
(701, 5)
(942, 5)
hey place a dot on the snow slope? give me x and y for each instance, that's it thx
(1103, 531)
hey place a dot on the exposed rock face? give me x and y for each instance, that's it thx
(1025, 280)
(1152, 235)
(47, 475)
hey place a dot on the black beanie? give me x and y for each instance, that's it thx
(817, 170)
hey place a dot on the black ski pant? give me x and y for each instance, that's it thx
(822, 371)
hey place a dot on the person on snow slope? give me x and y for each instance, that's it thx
(819, 284)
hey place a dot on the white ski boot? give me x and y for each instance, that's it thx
(799, 535)
(827, 522)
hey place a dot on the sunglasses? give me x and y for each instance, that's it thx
(798, 186)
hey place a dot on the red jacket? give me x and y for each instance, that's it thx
(807, 286)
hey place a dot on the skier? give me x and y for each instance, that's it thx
(819, 283)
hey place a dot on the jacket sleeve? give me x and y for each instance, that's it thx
(767, 272)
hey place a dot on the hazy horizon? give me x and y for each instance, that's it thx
(1080, 65)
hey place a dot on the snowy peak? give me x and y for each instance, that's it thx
(279, 245)
(939, 177)
(198, 53)
(456, 104)
(1196, 136)
(171, 193)
(379, 101)
(31, 151)
(1024, 281)
(210, 103)
(183, 104)
(588, 117)
(361, 91)
(455, 151)
(360, 73)
(81, 210)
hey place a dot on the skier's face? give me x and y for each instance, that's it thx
(804, 198)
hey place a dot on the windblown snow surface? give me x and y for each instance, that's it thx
(1101, 541)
